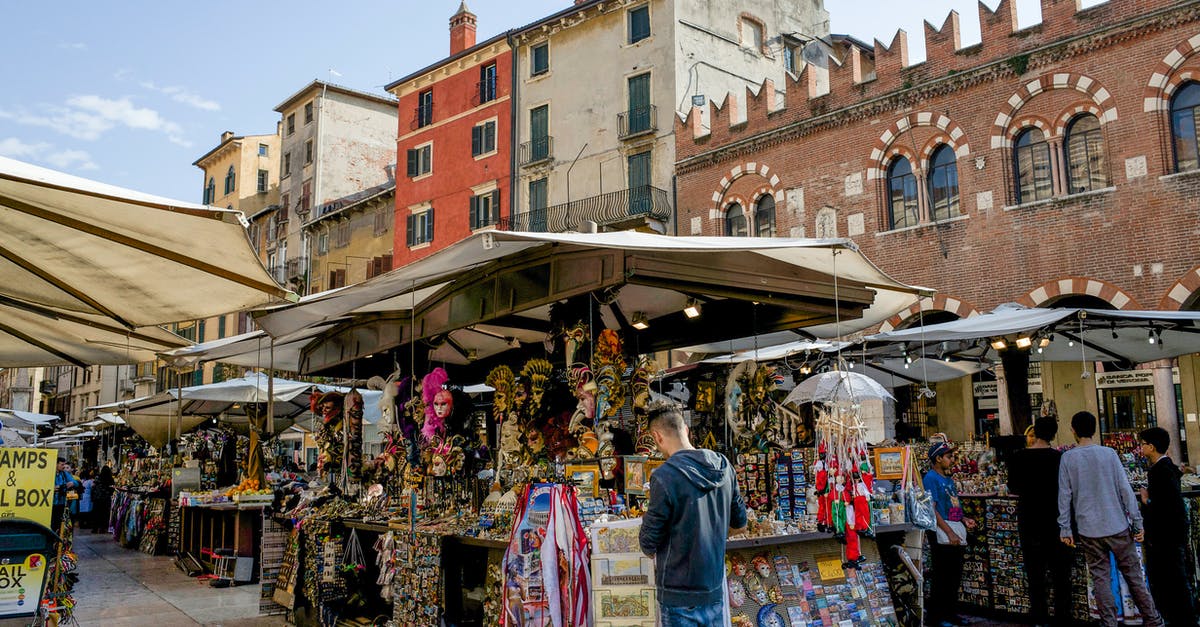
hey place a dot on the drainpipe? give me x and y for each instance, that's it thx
(513, 119)
(675, 205)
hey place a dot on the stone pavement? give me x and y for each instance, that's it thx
(121, 587)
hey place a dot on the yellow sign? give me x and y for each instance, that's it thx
(27, 483)
(830, 568)
(21, 586)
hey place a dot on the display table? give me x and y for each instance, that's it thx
(208, 529)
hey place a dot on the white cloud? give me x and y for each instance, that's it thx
(46, 153)
(181, 94)
(89, 116)
(73, 45)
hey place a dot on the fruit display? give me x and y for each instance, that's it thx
(248, 487)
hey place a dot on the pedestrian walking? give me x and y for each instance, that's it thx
(85, 499)
(1166, 532)
(102, 493)
(1033, 477)
(948, 546)
(1098, 513)
(694, 505)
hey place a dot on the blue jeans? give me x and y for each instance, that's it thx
(695, 616)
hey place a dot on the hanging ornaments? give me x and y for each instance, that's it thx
(329, 434)
(354, 435)
(843, 478)
(641, 404)
(579, 377)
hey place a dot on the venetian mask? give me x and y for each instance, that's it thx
(607, 467)
(443, 404)
(737, 594)
(437, 466)
(763, 567)
(739, 566)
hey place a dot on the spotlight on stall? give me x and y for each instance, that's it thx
(640, 322)
(999, 344)
(692, 309)
(1024, 342)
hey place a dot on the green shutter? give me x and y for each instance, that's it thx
(409, 230)
(474, 212)
(412, 163)
(429, 225)
(477, 141)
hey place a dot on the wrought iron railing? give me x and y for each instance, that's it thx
(634, 122)
(423, 116)
(604, 209)
(485, 91)
(537, 150)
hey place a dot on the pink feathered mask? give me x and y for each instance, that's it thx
(430, 386)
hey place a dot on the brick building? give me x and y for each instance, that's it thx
(453, 146)
(1050, 165)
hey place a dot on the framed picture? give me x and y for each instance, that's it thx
(651, 466)
(636, 478)
(586, 476)
(889, 462)
(706, 396)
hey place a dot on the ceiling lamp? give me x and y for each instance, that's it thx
(999, 344)
(1024, 342)
(1044, 342)
(639, 321)
(692, 309)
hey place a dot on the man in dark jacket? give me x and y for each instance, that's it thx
(694, 505)
(1166, 532)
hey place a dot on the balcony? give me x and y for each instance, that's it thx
(422, 116)
(485, 91)
(537, 150)
(277, 272)
(296, 268)
(613, 208)
(635, 122)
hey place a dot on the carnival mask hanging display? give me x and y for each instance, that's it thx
(354, 435)
(641, 404)
(579, 377)
(538, 372)
(329, 435)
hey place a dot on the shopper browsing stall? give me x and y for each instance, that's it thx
(1166, 532)
(1033, 477)
(1092, 485)
(948, 550)
(694, 504)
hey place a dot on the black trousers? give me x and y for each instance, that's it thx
(1046, 554)
(946, 569)
(1170, 585)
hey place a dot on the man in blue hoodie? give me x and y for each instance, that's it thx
(694, 505)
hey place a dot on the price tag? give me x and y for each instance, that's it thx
(830, 568)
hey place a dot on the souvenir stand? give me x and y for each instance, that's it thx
(481, 513)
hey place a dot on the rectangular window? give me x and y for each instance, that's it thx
(323, 243)
(639, 183)
(287, 164)
(425, 108)
(539, 59)
(485, 209)
(487, 83)
(291, 123)
(383, 221)
(640, 116)
(420, 227)
(539, 134)
(791, 58)
(220, 327)
(342, 236)
(262, 150)
(262, 181)
(308, 113)
(483, 138)
(308, 151)
(538, 193)
(337, 278)
(420, 160)
(639, 23)
(305, 196)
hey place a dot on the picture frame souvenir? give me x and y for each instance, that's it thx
(651, 466)
(706, 395)
(585, 476)
(889, 462)
(636, 478)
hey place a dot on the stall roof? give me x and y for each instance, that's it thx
(78, 253)
(863, 287)
(249, 350)
(30, 417)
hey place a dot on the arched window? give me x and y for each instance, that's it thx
(943, 184)
(230, 180)
(1085, 155)
(1031, 161)
(902, 194)
(1185, 108)
(764, 216)
(210, 191)
(735, 221)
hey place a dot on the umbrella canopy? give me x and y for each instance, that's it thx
(494, 284)
(97, 264)
(28, 417)
(837, 386)
(10, 437)
(250, 350)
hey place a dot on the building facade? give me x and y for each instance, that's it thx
(334, 142)
(1054, 165)
(453, 147)
(352, 238)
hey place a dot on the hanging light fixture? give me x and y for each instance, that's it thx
(999, 344)
(639, 321)
(1045, 341)
(692, 309)
(1024, 342)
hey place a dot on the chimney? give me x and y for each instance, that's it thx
(226, 136)
(462, 29)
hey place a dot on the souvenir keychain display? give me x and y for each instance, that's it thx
(791, 485)
(418, 583)
(752, 481)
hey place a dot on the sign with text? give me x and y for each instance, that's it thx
(1127, 379)
(21, 585)
(27, 483)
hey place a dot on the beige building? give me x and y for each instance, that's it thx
(352, 238)
(597, 85)
(335, 142)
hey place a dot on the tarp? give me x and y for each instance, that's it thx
(408, 286)
(29, 417)
(249, 350)
(77, 253)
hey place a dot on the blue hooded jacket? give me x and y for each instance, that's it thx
(694, 501)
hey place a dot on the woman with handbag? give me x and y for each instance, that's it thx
(949, 549)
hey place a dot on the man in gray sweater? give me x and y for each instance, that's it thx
(1092, 485)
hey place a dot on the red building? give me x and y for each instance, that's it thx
(453, 152)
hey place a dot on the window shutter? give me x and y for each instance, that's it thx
(476, 140)
(332, 279)
(426, 159)
(490, 139)
(473, 220)
(410, 230)
(429, 225)
(341, 275)
(494, 217)
(412, 162)
(387, 262)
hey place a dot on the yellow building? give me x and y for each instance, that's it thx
(352, 238)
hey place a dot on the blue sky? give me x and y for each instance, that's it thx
(132, 92)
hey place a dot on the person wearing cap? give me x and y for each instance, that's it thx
(1033, 477)
(1098, 513)
(949, 547)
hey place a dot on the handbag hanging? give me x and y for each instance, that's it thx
(917, 501)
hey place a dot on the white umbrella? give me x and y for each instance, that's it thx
(838, 386)
(10, 437)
